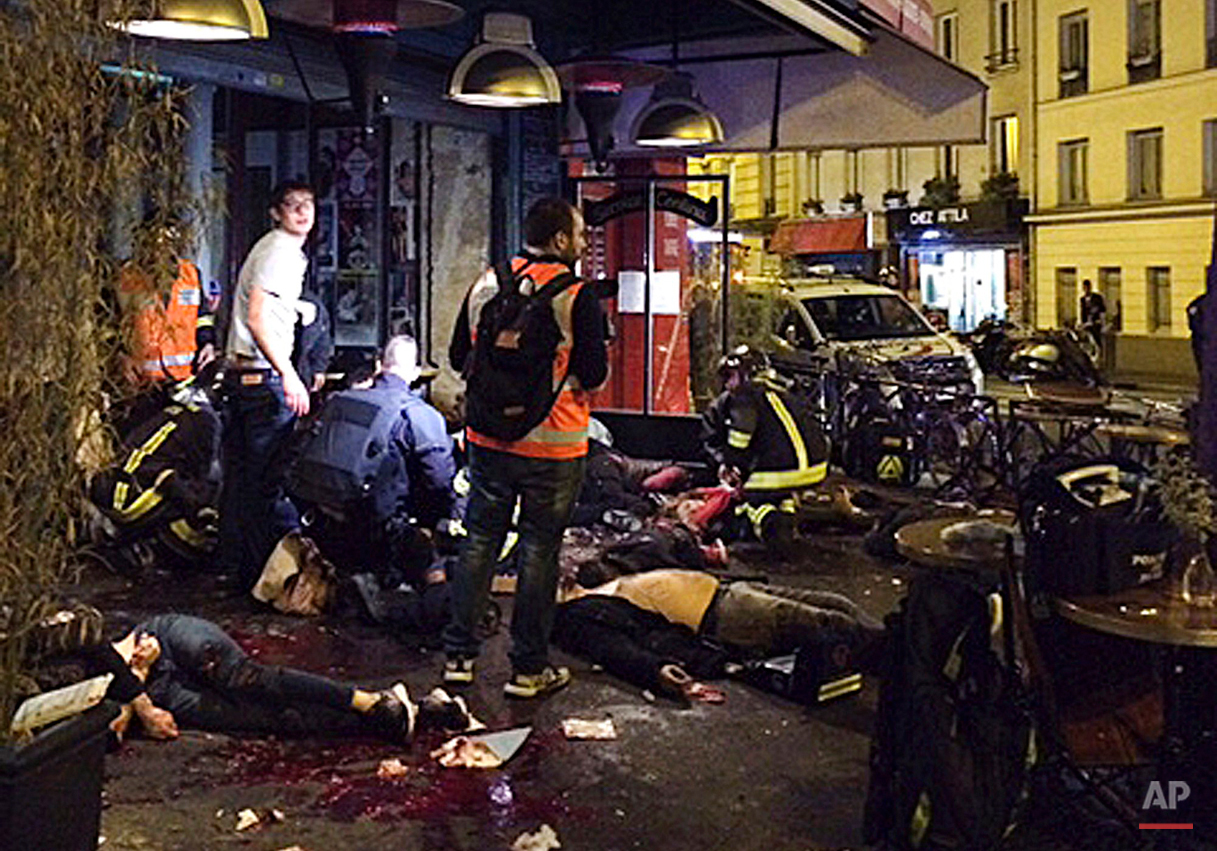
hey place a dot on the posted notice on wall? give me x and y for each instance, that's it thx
(665, 292)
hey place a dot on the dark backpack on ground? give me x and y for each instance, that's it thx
(1092, 526)
(954, 737)
(510, 387)
(350, 460)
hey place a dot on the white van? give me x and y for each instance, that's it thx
(833, 317)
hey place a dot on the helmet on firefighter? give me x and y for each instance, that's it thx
(742, 360)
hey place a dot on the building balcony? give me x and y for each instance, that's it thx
(1002, 60)
(1074, 82)
(1143, 67)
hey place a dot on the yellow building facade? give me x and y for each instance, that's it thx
(990, 39)
(1126, 159)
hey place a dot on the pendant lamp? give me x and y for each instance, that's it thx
(201, 20)
(598, 83)
(675, 117)
(504, 69)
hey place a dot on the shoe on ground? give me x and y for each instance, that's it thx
(458, 671)
(535, 685)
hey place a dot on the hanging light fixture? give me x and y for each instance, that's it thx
(504, 68)
(675, 117)
(598, 83)
(201, 20)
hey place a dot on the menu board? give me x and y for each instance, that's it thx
(541, 168)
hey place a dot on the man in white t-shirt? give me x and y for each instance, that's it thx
(263, 393)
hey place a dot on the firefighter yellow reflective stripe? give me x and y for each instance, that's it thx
(792, 428)
(837, 688)
(509, 544)
(207, 321)
(143, 503)
(756, 514)
(920, 822)
(772, 480)
(800, 477)
(150, 445)
(187, 534)
(738, 439)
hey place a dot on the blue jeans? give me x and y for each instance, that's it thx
(547, 491)
(208, 682)
(254, 510)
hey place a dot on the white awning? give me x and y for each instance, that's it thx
(896, 94)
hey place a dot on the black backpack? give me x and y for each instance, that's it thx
(1093, 526)
(350, 458)
(510, 387)
(954, 737)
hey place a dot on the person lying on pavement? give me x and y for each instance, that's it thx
(196, 676)
(748, 619)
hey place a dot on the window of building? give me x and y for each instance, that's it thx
(1158, 297)
(814, 191)
(1074, 54)
(1072, 170)
(948, 36)
(1005, 35)
(1144, 40)
(1066, 295)
(1109, 288)
(853, 173)
(768, 177)
(1210, 157)
(948, 161)
(1210, 32)
(897, 168)
(1005, 144)
(1145, 164)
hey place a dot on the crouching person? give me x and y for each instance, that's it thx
(377, 469)
(196, 676)
(764, 441)
(162, 495)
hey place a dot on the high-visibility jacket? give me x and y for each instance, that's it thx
(167, 337)
(168, 480)
(562, 435)
(768, 434)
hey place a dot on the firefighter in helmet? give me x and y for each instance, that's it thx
(765, 441)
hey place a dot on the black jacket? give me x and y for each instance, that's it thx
(761, 427)
(631, 642)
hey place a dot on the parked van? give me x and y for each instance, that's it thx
(828, 320)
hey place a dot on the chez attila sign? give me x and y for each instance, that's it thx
(981, 219)
(705, 213)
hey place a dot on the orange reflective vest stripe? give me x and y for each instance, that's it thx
(164, 344)
(562, 435)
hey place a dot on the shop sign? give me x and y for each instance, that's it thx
(705, 213)
(962, 220)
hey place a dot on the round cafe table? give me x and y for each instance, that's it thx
(1156, 613)
(922, 543)
(1188, 634)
